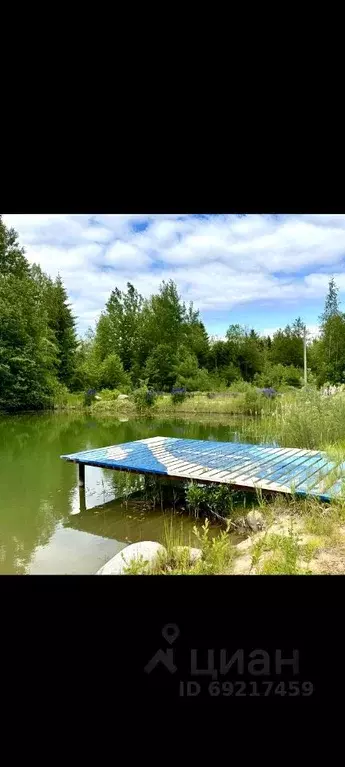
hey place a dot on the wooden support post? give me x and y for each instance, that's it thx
(82, 500)
(81, 475)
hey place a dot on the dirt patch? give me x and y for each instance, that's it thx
(242, 565)
(322, 554)
(329, 562)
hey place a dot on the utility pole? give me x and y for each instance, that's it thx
(305, 354)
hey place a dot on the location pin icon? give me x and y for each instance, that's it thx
(170, 632)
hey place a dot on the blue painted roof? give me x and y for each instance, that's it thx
(244, 465)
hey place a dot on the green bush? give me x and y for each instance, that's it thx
(111, 372)
(144, 398)
(240, 387)
(89, 397)
(110, 394)
(199, 381)
(60, 394)
(195, 497)
(219, 499)
(254, 402)
(217, 382)
(178, 395)
(278, 376)
(125, 389)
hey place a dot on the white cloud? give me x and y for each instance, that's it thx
(219, 262)
(313, 331)
(54, 260)
(126, 256)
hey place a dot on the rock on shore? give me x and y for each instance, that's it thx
(145, 551)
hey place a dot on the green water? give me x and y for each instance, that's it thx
(43, 525)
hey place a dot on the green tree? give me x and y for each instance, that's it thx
(87, 366)
(332, 350)
(245, 352)
(250, 356)
(195, 336)
(190, 375)
(160, 368)
(187, 369)
(219, 356)
(112, 374)
(27, 351)
(331, 303)
(287, 345)
(330, 354)
(62, 323)
(167, 315)
(119, 327)
(12, 258)
(53, 297)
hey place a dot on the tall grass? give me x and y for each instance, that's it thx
(304, 419)
(249, 402)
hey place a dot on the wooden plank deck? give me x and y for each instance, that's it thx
(284, 470)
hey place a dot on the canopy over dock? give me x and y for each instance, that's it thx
(245, 466)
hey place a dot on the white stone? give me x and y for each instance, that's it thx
(244, 545)
(242, 565)
(123, 396)
(255, 520)
(194, 554)
(146, 551)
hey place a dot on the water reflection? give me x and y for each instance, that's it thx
(44, 525)
(73, 552)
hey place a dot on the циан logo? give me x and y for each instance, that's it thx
(170, 632)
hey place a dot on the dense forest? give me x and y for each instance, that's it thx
(158, 340)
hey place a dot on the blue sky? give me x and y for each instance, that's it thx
(259, 270)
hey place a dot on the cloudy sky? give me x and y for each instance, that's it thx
(258, 270)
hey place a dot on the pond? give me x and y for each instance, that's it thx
(44, 528)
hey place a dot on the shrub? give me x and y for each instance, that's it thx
(279, 375)
(219, 499)
(144, 398)
(111, 372)
(217, 551)
(240, 387)
(110, 394)
(60, 394)
(199, 381)
(125, 389)
(254, 402)
(89, 397)
(178, 395)
(217, 382)
(268, 392)
(195, 497)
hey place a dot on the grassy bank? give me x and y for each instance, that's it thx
(202, 404)
(304, 419)
(299, 538)
(245, 533)
(248, 402)
(300, 418)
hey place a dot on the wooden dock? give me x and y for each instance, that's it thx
(243, 466)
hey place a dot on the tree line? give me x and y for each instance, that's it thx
(159, 341)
